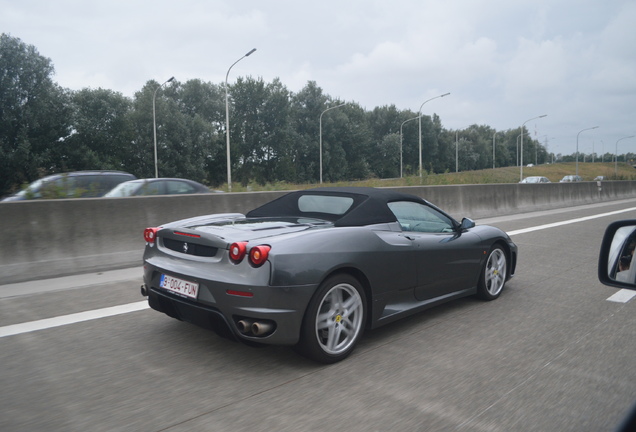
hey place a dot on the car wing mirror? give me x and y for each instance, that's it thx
(466, 224)
(616, 261)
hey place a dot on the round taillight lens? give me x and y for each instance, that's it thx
(238, 251)
(150, 235)
(259, 254)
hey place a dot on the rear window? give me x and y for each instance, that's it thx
(334, 205)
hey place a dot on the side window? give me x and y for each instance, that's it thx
(110, 181)
(177, 187)
(418, 217)
(62, 187)
(87, 186)
(151, 188)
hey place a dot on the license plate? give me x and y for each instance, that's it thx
(179, 286)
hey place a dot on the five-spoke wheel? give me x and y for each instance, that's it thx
(334, 320)
(494, 274)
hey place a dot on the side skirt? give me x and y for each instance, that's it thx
(396, 311)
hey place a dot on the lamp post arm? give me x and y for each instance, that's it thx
(493, 149)
(320, 135)
(401, 153)
(154, 122)
(227, 122)
(577, 146)
(420, 125)
(616, 154)
(521, 151)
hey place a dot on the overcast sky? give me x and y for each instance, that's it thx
(503, 61)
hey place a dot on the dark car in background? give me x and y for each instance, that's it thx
(77, 184)
(157, 186)
(314, 268)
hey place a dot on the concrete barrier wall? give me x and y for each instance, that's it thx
(59, 237)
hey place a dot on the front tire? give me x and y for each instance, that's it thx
(334, 321)
(494, 274)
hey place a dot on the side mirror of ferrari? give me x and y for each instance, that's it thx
(616, 261)
(467, 223)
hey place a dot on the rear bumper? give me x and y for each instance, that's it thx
(208, 318)
(282, 307)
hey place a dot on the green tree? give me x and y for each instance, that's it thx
(34, 114)
(277, 139)
(353, 135)
(102, 132)
(432, 156)
(247, 128)
(384, 124)
(385, 159)
(204, 103)
(306, 107)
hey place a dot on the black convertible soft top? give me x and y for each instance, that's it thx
(369, 205)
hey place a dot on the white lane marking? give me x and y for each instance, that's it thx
(567, 222)
(42, 324)
(622, 296)
(132, 307)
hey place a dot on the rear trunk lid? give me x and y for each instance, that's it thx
(203, 236)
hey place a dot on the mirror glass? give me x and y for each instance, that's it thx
(621, 265)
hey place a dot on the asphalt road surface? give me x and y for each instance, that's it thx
(555, 352)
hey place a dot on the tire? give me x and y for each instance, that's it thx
(494, 274)
(334, 320)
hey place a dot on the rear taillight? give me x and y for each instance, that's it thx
(258, 255)
(238, 251)
(150, 235)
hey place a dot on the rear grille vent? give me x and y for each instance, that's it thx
(189, 248)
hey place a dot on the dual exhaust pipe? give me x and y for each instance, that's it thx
(245, 326)
(255, 328)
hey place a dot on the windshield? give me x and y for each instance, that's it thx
(33, 188)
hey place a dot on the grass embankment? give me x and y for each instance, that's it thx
(555, 172)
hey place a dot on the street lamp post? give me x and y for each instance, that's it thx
(493, 149)
(154, 123)
(414, 118)
(227, 122)
(521, 152)
(457, 150)
(616, 154)
(517, 144)
(420, 122)
(577, 146)
(334, 107)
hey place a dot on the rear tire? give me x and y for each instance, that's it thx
(334, 321)
(494, 274)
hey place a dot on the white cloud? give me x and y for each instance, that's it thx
(502, 61)
(537, 69)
